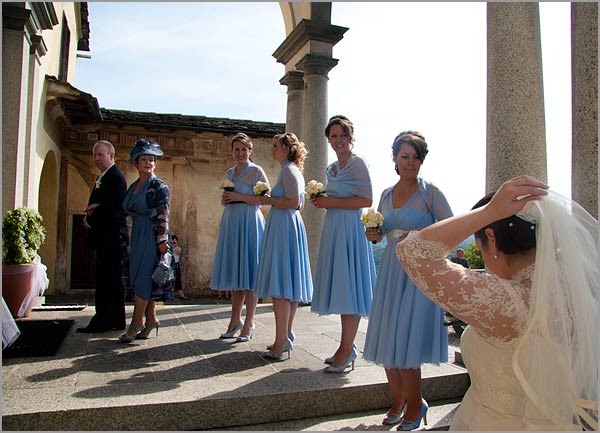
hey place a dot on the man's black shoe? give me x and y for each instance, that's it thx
(89, 330)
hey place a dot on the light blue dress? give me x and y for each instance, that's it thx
(345, 275)
(284, 266)
(240, 235)
(143, 253)
(405, 328)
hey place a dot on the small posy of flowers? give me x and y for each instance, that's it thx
(227, 185)
(261, 188)
(372, 219)
(315, 189)
(98, 183)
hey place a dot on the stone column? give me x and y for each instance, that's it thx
(315, 70)
(516, 141)
(584, 70)
(15, 67)
(295, 101)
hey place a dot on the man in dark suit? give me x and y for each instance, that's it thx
(105, 220)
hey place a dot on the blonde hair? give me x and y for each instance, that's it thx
(296, 150)
(107, 144)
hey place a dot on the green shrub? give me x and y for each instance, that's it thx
(473, 256)
(22, 235)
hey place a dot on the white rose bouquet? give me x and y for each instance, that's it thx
(227, 185)
(261, 188)
(315, 189)
(372, 219)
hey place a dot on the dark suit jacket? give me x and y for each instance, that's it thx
(107, 218)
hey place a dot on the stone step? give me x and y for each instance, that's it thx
(189, 379)
(439, 417)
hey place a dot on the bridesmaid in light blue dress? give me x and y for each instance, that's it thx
(240, 236)
(284, 267)
(405, 328)
(345, 274)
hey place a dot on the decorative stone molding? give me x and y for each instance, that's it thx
(294, 80)
(311, 64)
(307, 31)
(14, 18)
(38, 46)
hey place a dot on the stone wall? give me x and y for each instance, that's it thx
(193, 166)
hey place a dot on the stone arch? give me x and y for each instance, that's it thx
(48, 207)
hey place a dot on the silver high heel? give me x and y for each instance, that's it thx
(340, 368)
(291, 337)
(245, 338)
(331, 358)
(128, 337)
(285, 347)
(392, 418)
(145, 333)
(231, 334)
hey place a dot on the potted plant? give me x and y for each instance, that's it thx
(22, 236)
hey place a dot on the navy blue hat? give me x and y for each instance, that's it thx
(145, 147)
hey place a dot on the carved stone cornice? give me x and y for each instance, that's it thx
(45, 14)
(14, 18)
(38, 46)
(311, 64)
(304, 32)
(294, 80)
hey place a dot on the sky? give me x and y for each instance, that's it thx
(419, 66)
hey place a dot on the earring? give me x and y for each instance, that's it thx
(495, 255)
(396, 168)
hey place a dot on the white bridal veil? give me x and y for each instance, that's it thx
(556, 361)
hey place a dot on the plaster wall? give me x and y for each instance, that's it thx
(193, 178)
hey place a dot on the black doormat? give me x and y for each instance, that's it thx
(38, 338)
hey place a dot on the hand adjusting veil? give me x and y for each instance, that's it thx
(556, 361)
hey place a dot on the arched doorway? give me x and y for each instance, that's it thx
(48, 207)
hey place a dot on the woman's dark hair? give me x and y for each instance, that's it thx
(344, 122)
(414, 139)
(174, 237)
(513, 234)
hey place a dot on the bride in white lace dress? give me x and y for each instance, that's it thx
(532, 345)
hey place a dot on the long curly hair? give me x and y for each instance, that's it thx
(296, 150)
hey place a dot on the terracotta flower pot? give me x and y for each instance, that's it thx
(16, 285)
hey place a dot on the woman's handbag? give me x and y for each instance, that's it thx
(164, 270)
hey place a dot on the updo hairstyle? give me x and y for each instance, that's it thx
(513, 234)
(296, 150)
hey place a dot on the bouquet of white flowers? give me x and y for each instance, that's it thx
(372, 219)
(315, 189)
(261, 188)
(227, 185)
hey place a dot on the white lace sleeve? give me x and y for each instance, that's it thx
(494, 306)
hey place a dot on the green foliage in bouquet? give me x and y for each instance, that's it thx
(22, 235)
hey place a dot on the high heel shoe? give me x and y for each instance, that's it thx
(285, 347)
(393, 418)
(232, 333)
(341, 368)
(245, 338)
(331, 358)
(127, 337)
(144, 335)
(291, 337)
(415, 424)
